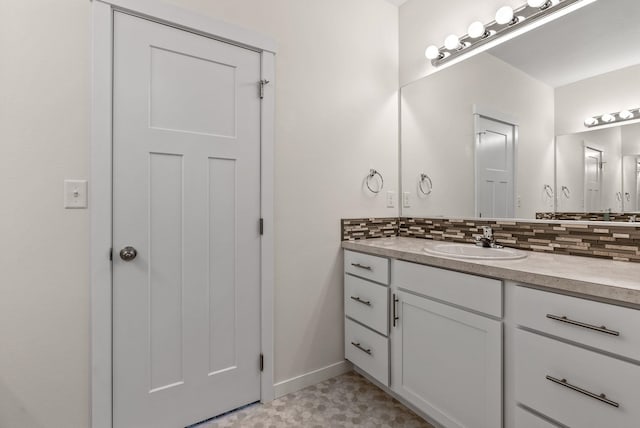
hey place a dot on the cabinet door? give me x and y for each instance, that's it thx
(447, 362)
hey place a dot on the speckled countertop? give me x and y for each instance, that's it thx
(600, 279)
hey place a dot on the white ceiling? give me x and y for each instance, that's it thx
(397, 2)
(596, 39)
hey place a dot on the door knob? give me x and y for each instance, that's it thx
(128, 253)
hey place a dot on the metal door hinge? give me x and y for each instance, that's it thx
(261, 226)
(261, 362)
(111, 254)
(263, 83)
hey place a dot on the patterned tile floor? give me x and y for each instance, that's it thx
(344, 401)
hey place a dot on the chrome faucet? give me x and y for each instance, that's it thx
(487, 240)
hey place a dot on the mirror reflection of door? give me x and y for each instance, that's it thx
(637, 205)
(495, 174)
(592, 179)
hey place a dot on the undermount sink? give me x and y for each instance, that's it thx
(470, 251)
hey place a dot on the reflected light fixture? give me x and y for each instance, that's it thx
(625, 115)
(506, 20)
(608, 118)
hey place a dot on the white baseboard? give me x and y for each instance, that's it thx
(300, 382)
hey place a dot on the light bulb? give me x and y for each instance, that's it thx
(625, 114)
(591, 121)
(536, 3)
(432, 52)
(504, 15)
(608, 118)
(452, 42)
(476, 30)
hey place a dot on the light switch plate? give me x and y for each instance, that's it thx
(75, 193)
(406, 200)
(391, 199)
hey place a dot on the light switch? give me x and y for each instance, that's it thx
(391, 199)
(406, 200)
(75, 193)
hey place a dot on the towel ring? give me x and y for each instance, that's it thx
(548, 190)
(372, 174)
(424, 178)
(627, 196)
(566, 192)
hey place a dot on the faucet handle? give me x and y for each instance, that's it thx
(487, 232)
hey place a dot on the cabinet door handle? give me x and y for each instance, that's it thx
(599, 397)
(395, 309)
(357, 345)
(359, 300)
(358, 265)
(601, 329)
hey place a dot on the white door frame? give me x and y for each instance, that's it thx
(101, 182)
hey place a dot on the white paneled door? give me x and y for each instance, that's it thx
(495, 169)
(186, 183)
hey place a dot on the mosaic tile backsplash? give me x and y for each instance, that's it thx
(592, 216)
(588, 240)
(363, 228)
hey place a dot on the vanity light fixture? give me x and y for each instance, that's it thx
(506, 20)
(477, 30)
(608, 118)
(504, 16)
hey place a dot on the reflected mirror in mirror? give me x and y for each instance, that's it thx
(479, 137)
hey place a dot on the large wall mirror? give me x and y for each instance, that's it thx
(503, 135)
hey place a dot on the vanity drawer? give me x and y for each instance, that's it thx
(584, 321)
(367, 266)
(367, 302)
(526, 419)
(576, 401)
(469, 291)
(368, 350)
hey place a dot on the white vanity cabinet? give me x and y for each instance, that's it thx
(465, 349)
(576, 360)
(366, 305)
(446, 340)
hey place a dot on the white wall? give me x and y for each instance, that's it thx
(438, 135)
(425, 22)
(337, 75)
(44, 301)
(630, 157)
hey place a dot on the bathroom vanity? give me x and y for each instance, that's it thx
(542, 341)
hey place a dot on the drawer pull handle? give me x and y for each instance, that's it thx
(358, 265)
(359, 300)
(357, 345)
(600, 397)
(395, 309)
(601, 329)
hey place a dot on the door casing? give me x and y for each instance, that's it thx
(101, 183)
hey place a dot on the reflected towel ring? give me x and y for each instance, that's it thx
(424, 178)
(548, 190)
(372, 174)
(619, 196)
(566, 192)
